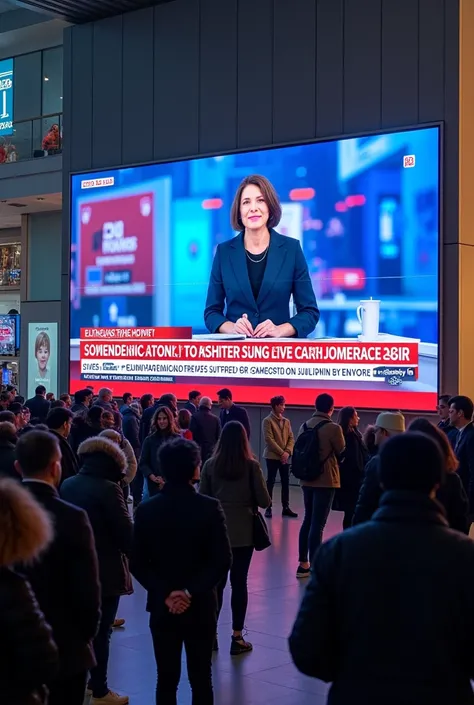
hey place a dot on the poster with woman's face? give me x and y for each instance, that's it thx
(42, 357)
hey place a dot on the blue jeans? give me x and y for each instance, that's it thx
(317, 505)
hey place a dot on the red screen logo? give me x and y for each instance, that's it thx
(409, 161)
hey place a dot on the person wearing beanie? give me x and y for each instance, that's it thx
(387, 425)
(96, 489)
(387, 616)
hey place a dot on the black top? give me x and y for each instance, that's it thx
(196, 554)
(236, 413)
(256, 270)
(374, 619)
(67, 574)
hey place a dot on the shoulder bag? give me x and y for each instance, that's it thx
(261, 538)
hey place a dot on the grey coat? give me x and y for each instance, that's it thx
(236, 499)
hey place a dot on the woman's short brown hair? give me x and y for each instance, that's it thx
(269, 194)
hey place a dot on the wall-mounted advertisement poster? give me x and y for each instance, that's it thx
(42, 357)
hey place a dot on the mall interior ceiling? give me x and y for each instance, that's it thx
(78, 11)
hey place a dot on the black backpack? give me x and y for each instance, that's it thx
(306, 464)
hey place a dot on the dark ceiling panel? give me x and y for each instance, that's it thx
(79, 11)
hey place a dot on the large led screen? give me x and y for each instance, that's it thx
(172, 289)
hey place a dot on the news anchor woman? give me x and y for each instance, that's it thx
(255, 274)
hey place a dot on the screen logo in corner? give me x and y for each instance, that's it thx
(98, 183)
(409, 161)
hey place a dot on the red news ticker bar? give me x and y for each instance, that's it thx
(297, 351)
(258, 394)
(133, 334)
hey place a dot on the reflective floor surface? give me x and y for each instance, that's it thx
(264, 675)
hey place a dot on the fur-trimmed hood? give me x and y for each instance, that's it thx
(101, 457)
(25, 527)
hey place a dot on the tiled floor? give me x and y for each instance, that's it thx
(265, 675)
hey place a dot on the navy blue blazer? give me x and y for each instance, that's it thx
(230, 295)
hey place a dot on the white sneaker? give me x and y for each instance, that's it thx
(111, 699)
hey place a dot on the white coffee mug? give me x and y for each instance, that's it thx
(368, 314)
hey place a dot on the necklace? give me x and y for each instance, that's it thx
(256, 261)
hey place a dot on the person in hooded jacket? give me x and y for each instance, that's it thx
(29, 654)
(96, 489)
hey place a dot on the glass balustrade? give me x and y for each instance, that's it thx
(33, 139)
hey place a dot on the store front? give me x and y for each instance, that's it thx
(10, 283)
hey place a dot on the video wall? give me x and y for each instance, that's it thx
(341, 295)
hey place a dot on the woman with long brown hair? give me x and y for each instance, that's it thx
(163, 428)
(235, 478)
(451, 494)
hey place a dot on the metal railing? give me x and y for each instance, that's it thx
(32, 139)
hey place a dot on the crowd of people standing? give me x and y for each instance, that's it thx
(86, 486)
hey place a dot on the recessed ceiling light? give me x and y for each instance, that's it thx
(40, 198)
(46, 78)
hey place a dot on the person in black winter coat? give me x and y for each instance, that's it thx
(85, 427)
(181, 572)
(451, 494)
(29, 654)
(232, 412)
(131, 431)
(352, 466)
(59, 422)
(131, 426)
(66, 573)
(461, 410)
(96, 489)
(444, 423)
(375, 621)
(163, 429)
(39, 405)
(206, 428)
(8, 439)
(82, 401)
